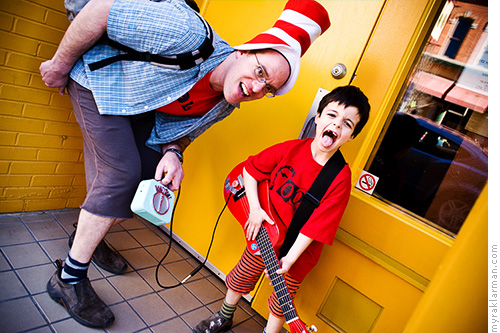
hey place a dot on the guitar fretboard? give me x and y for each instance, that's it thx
(278, 281)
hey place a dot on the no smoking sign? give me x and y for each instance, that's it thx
(367, 182)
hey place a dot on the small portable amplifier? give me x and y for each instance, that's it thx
(154, 202)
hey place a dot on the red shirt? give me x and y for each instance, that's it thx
(291, 170)
(196, 102)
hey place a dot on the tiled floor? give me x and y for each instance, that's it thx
(30, 243)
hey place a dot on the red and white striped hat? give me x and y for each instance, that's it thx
(300, 23)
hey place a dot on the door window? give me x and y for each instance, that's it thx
(432, 159)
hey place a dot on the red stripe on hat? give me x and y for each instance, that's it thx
(265, 38)
(313, 10)
(296, 33)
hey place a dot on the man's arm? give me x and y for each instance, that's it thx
(85, 30)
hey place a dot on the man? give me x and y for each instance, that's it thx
(113, 88)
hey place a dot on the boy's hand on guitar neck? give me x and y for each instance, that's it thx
(256, 217)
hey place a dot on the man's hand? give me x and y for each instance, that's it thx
(54, 76)
(169, 171)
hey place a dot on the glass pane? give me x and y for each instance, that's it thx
(433, 158)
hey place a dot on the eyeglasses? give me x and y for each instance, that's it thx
(261, 76)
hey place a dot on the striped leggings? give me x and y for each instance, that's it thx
(244, 276)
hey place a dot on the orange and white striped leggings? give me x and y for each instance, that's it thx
(244, 276)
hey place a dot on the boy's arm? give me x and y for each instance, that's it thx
(299, 246)
(256, 215)
(85, 30)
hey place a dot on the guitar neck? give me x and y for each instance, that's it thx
(277, 280)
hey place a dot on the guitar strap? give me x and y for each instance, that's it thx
(312, 198)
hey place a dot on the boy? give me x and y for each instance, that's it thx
(342, 114)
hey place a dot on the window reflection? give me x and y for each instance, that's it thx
(433, 159)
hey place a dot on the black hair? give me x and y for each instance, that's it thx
(349, 96)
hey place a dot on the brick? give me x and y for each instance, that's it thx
(4, 167)
(74, 202)
(11, 206)
(10, 108)
(7, 138)
(25, 193)
(12, 76)
(47, 113)
(17, 154)
(45, 204)
(63, 128)
(79, 181)
(32, 168)
(58, 155)
(73, 143)
(50, 180)
(55, 5)
(38, 31)
(41, 141)
(70, 169)
(6, 22)
(18, 124)
(23, 62)
(57, 20)
(16, 93)
(68, 192)
(24, 9)
(3, 55)
(14, 181)
(13, 42)
(60, 101)
(46, 51)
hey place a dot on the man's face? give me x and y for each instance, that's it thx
(335, 126)
(242, 84)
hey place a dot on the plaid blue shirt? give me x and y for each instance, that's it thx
(133, 87)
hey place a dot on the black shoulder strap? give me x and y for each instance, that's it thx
(312, 199)
(179, 61)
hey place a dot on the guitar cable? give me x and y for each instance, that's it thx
(201, 265)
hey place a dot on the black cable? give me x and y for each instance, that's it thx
(200, 266)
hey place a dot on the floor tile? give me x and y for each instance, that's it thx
(15, 234)
(152, 308)
(35, 278)
(164, 278)
(126, 319)
(25, 255)
(180, 299)
(139, 258)
(20, 315)
(176, 325)
(122, 240)
(10, 286)
(130, 285)
(146, 237)
(205, 291)
(47, 230)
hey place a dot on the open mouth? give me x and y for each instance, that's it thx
(244, 90)
(328, 138)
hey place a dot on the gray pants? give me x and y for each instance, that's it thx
(116, 157)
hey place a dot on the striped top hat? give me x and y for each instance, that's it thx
(300, 23)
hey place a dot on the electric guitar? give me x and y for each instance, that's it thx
(268, 239)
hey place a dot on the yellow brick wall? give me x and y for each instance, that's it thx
(41, 154)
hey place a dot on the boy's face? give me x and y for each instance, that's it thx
(335, 126)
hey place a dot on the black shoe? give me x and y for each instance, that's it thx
(214, 324)
(80, 300)
(104, 257)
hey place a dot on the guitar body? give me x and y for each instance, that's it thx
(269, 238)
(238, 206)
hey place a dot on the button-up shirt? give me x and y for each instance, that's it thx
(133, 87)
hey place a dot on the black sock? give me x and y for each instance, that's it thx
(74, 271)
